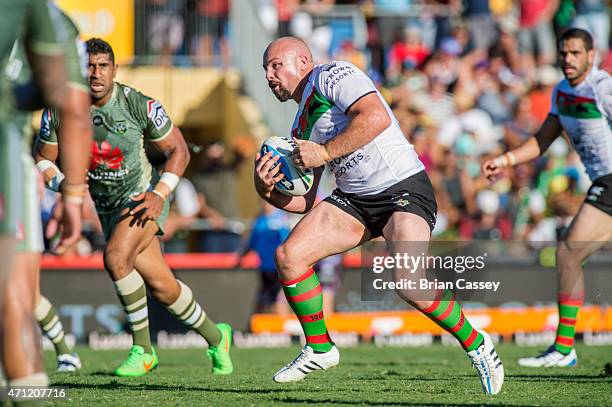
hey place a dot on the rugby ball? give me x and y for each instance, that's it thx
(296, 181)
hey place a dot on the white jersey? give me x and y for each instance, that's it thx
(585, 112)
(389, 158)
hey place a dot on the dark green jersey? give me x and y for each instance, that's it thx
(19, 73)
(119, 166)
(38, 24)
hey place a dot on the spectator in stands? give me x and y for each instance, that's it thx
(542, 228)
(348, 52)
(407, 51)
(270, 228)
(285, 9)
(480, 23)
(489, 223)
(523, 124)
(536, 36)
(311, 24)
(213, 18)
(444, 12)
(216, 180)
(540, 94)
(592, 16)
(187, 207)
(394, 17)
(166, 29)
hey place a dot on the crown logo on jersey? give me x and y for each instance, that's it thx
(105, 154)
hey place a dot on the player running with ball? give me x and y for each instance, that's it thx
(132, 202)
(582, 106)
(344, 123)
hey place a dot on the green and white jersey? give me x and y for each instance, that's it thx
(119, 166)
(585, 112)
(322, 114)
(38, 24)
(19, 74)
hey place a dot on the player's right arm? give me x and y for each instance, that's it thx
(43, 44)
(530, 150)
(265, 177)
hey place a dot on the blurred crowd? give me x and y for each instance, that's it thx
(182, 32)
(466, 80)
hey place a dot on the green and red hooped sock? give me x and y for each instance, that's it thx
(447, 313)
(568, 313)
(306, 300)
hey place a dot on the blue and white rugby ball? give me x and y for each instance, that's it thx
(296, 181)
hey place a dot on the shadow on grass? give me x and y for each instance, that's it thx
(293, 400)
(114, 385)
(559, 378)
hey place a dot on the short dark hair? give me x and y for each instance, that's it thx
(584, 35)
(97, 46)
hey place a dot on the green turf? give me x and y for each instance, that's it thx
(366, 375)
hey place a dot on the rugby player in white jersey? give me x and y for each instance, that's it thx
(582, 107)
(343, 122)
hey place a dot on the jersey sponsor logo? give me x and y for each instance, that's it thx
(97, 120)
(595, 193)
(400, 201)
(105, 155)
(120, 128)
(342, 165)
(578, 107)
(157, 114)
(338, 199)
(337, 73)
(126, 90)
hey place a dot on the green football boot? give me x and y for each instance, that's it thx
(138, 363)
(220, 354)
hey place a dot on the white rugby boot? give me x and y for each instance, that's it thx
(551, 357)
(488, 364)
(307, 361)
(68, 362)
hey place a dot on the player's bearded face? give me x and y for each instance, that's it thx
(282, 75)
(100, 75)
(574, 59)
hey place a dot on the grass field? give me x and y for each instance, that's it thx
(366, 376)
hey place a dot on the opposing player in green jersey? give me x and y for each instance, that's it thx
(36, 23)
(132, 204)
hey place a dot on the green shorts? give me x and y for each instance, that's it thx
(32, 239)
(11, 181)
(110, 219)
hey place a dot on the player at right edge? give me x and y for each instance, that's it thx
(582, 106)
